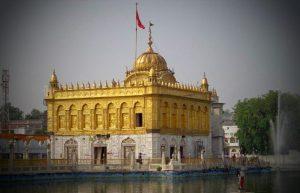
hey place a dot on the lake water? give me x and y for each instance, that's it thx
(275, 182)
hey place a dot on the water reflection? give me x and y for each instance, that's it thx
(272, 182)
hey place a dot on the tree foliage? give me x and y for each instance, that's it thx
(253, 117)
(14, 112)
(34, 114)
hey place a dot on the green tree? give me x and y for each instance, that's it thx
(253, 117)
(34, 114)
(14, 112)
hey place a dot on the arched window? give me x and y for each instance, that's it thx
(61, 117)
(111, 116)
(205, 118)
(86, 118)
(165, 115)
(124, 116)
(183, 117)
(138, 111)
(232, 140)
(192, 117)
(73, 117)
(174, 116)
(98, 116)
(198, 118)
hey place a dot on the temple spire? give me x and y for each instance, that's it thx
(150, 38)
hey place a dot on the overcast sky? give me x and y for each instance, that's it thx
(245, 47)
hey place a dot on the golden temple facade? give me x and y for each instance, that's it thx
(148, 114)
(149, 100)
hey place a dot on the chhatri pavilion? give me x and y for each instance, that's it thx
(149, 113)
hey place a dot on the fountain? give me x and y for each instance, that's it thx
(282, 160)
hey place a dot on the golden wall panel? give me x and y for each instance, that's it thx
(113, 111)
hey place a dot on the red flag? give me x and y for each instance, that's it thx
(138, 21)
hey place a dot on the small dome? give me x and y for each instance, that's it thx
(204, 80)
(53, 78)
(149, 60)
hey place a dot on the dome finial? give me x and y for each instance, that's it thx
(204, 83)
(53, 78)
(150, 38)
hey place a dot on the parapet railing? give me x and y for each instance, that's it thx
(46, 165)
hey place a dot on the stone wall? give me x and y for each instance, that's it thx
(149, 145)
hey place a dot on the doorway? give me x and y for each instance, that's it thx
(181, 152)
(172, 151)
(128, 151)
(100, 155)
(71, 151)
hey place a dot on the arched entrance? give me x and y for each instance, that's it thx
(163, 146)
(99, 152)
(71, 151)
(182, 148)
(128, 150)
(199, 149)
(173, 147)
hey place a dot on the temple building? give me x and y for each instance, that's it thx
(147, 114)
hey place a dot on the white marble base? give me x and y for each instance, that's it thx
(147, 144)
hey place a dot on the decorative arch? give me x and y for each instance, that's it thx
(128, 141)
(232, 140)
(205, 118)
(192, 117)
(99, 151)
(98, 116)
(183, 117)
(73, 117)
(99, 143)
(182, 147)
(163, 142)
(173, 142)
(198, 118)
(111, 111)
(61, 121)
(124, 116)
(174, 115)
(182, 142)
(172, 146)
(71, 150)
(128, 148)
(165, 115)
(86, 117)
(138, 107)
(163, 146)
(138, 112)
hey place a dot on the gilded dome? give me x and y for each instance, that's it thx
(149, 60)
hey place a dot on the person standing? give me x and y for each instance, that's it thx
(241, 176)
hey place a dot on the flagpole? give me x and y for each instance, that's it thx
(135, 32)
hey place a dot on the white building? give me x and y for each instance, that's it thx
(231, 141)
